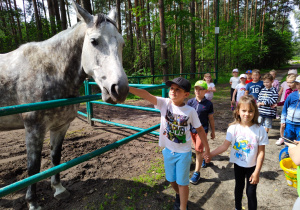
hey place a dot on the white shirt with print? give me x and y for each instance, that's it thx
(209, 95)
(245, 142)
(175, 124)
(240, 91)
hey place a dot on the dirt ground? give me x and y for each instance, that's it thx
(107, 181)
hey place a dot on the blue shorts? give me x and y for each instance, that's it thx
(292, 132)
(177, 166)
(265, 121)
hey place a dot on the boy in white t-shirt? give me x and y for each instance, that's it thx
(239, 90)
(175, 136)
(234, 81)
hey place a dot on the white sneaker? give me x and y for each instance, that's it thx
(279, 141)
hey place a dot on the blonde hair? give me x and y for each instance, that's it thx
(291, 77)
(255, 71)
(273, 71)
(207, 75)
(248, 99)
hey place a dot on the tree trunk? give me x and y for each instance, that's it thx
(255, 11)
(68, 13)
(193, 48)
(12, 22)
(51, 16)
(181, 44)
(27, 34)
(163, 46)
(63, 14)
(151, 54)
(86, 4)
(137, 26)
(38, 21)
(118, 16)
(57, 15)
(18, 22)
(130, 27)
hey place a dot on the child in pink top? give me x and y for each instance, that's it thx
(275, 83)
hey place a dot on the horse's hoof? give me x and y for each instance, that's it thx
(34, 207)
(63, 195)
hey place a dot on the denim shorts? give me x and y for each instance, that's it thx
(265, 121)
(177, 166)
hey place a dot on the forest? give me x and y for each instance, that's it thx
(170, 37)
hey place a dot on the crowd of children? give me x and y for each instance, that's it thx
(255, 102)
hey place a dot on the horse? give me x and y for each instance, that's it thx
(54, 69)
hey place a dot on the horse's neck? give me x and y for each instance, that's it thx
(66, 47)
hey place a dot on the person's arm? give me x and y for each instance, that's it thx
(294, 152)
(203, 137)
(143, 94)
(254, 178)
(212, 125)
(233, 96)
(280, 91)
(212, 89)
(220, 149)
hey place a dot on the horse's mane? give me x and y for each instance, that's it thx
(103, 18)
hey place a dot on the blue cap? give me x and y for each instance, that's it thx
(249, 72)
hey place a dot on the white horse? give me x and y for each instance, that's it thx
(55, 69)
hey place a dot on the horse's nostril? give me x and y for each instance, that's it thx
(114, 89)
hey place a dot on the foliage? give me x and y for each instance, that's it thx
(267, 43)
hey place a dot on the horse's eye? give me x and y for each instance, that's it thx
(94, 42)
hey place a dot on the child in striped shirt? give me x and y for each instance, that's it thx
(266, 98)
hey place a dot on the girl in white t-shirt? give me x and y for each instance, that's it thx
(247, 139)
(210, 86)
(239, 90)
(234, 81)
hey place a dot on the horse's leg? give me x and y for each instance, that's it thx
(56, 139)
(34, 144)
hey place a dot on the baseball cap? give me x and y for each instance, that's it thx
(297, 79)
(235, 70)
(243, 76)
(201, 83)
(181, 82)
(292, 71)
(249, 72)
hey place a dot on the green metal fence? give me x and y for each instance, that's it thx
(89, 99)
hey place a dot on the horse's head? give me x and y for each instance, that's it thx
(102, 54)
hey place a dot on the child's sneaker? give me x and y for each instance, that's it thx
(203, 164)
(177, 202)
(279, 141)
(195, 178)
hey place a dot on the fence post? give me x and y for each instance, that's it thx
(89, 105)
(164, 92)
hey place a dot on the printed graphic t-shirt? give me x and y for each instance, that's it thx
(245, 142)
(240, 91)
(175, 124)
(255, 88)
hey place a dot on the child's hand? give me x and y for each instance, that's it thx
(206, 156)
(273, 106)
(290, 145)
(212, 135)
(254, 178)
(283, 125)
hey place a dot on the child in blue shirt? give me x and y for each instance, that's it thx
(253, 88)
(290, 116)
(205, 110)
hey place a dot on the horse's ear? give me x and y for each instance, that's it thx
(113, 14)
(82, 14)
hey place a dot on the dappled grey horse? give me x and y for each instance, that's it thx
(55, 69)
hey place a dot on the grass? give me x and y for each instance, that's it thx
(144, 187)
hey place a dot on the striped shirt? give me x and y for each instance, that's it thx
(268, 97)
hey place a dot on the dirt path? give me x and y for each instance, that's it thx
(129, 177)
